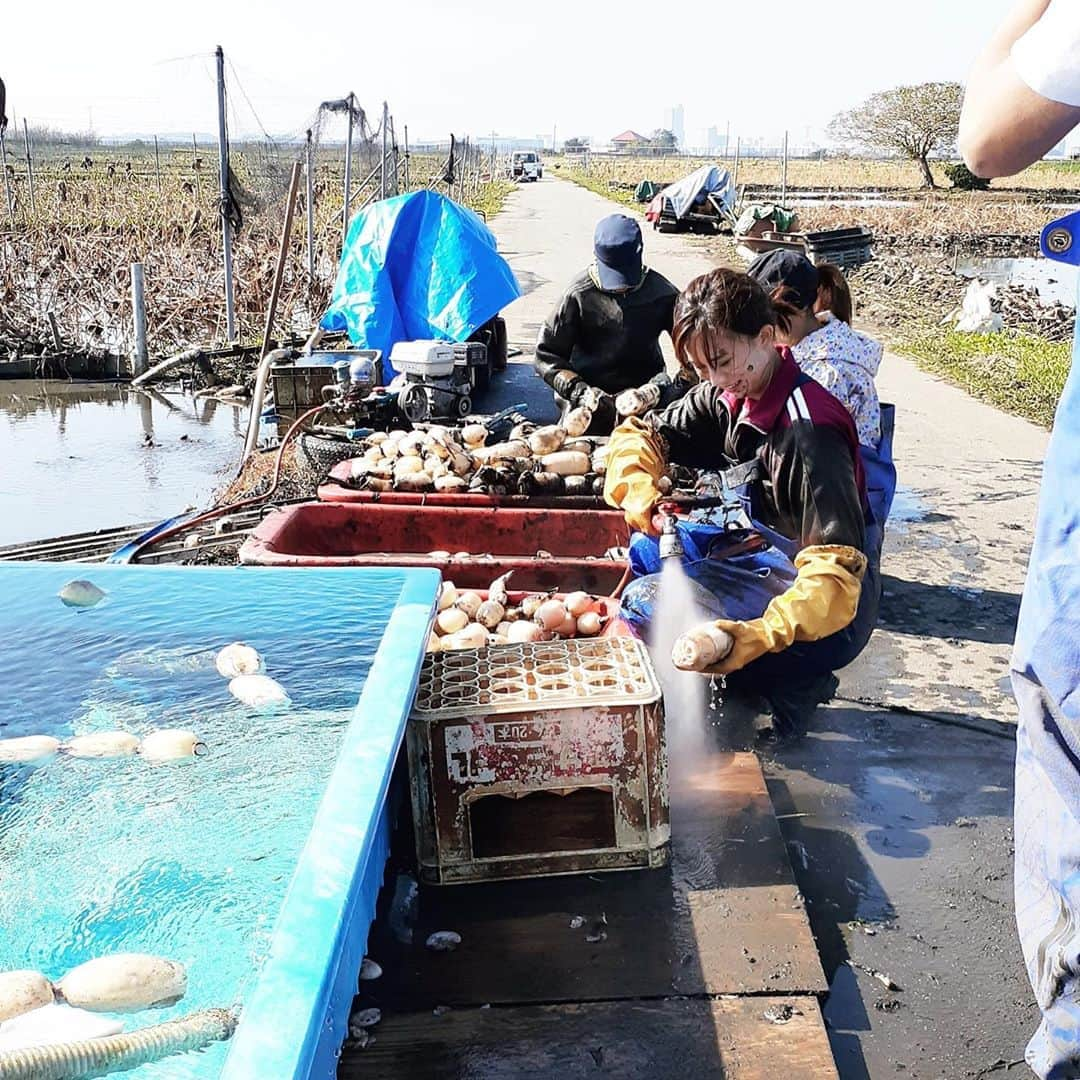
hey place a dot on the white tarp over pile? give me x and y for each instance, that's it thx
(709, 179)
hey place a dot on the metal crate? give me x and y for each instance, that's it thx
(538, 759)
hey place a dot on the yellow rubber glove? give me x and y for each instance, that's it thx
(822, 600)
(635, 464)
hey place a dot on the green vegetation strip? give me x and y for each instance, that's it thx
(489, 200)
(1018, 373)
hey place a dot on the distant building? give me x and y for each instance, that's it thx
(630, 142)
(675, 122)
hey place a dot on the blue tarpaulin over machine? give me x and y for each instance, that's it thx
(414, 267)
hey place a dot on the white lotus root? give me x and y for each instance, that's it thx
(474, 636)
(547, 440)
(550, 615)
(81, 594)
(522, 632)
(470, 602)
(28, 748)
(102, 744)
(123, 983)
(701, 648)
(258, 691)
(577, 603)
(474, 434)
(448, 595)
(577, 421)
(490, 613)
(175, 744)
(450, 482)
(451, 621)
(22, 992)
(443, 941)
(238, 659)
(566, 463)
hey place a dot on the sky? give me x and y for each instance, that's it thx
(568, 67)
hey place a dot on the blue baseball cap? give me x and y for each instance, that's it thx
(618, 247)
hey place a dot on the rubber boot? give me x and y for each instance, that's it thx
(792, 706)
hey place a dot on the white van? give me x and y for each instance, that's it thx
(526, 165)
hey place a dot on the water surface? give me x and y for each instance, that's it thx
(81, 456)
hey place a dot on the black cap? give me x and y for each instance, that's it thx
(790, 268)
(617, 246)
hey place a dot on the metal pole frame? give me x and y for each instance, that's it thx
(7, 185)
(382, 171)
(29, 166)
(735, 173)
(138, 311)
(348, 173)
(783, 173)
(407, 185)
(226, 224)
(157, 160)
(310, 201)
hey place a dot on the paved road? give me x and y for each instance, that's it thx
(898, 821)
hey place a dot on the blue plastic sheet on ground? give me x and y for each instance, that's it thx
(416, 267)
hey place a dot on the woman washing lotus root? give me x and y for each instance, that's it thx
(804, 488)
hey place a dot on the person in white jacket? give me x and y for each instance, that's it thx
(841, 359)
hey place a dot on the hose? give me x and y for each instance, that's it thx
(117, 1053)
(218, 511)
(262, 377)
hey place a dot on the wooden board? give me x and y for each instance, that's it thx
(649, 1040)
(724, 918)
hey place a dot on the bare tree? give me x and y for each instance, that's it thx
(915, 121)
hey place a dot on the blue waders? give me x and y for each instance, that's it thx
(1046, 679)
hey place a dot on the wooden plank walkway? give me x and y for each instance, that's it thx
(614, 974)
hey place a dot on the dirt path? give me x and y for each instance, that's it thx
(894, 820)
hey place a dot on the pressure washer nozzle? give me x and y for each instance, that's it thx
(670, 542)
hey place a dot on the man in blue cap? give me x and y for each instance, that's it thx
(600, 347)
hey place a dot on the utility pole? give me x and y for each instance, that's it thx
(310, 205)
(348, 172)
(382, 170)
(226, 223)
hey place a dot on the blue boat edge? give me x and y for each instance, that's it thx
(321, 933)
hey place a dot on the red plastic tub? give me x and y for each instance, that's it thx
(338, 489)
(483, 542)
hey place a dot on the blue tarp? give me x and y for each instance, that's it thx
(416, 267)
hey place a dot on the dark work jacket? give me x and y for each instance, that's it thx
(811, 487)
(612, 340)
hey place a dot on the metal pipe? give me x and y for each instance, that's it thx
(407, 187)
(29, 166)
(140, 357)
(310, 201)
(226, 224)
(195, 168)
(783, 174)
(382, 176)
(275, 293)
(348, 172)
(258, 395)
(735, 175)
(7, 186)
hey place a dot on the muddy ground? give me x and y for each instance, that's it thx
(897, 808)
